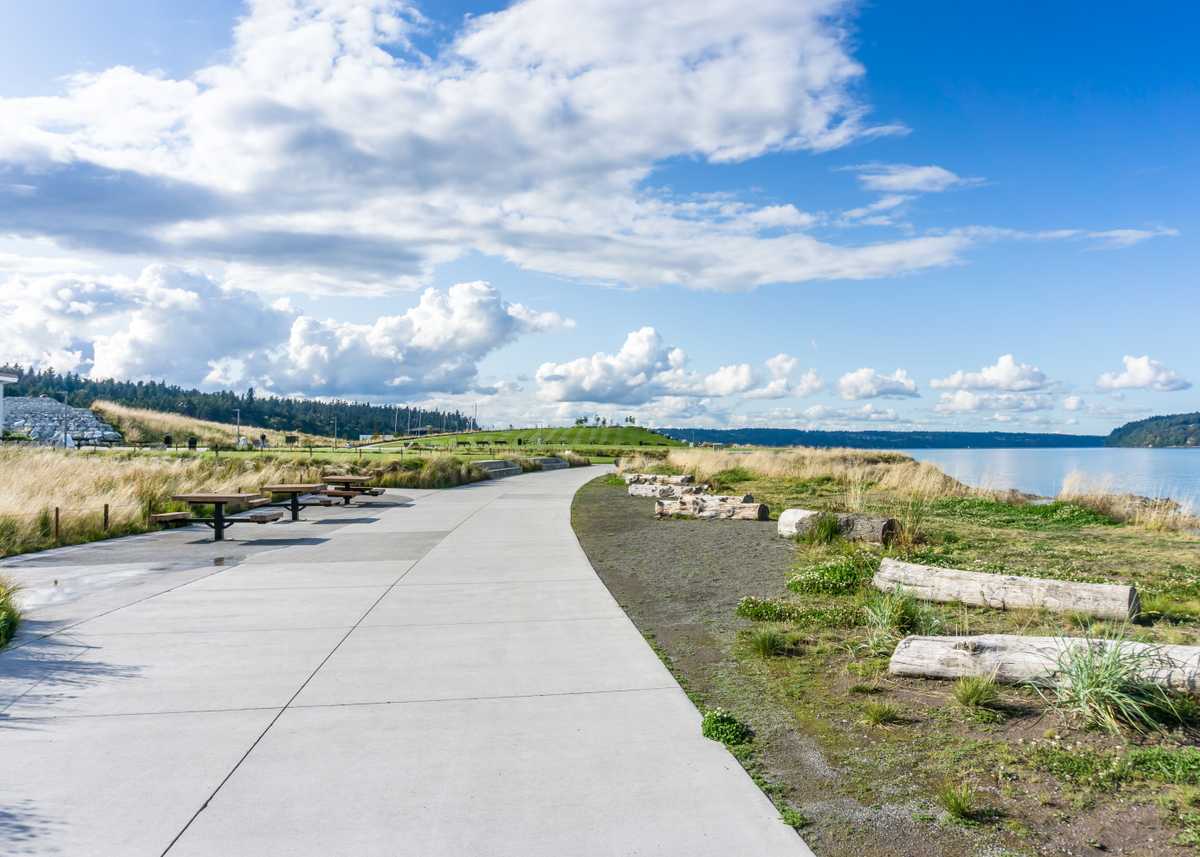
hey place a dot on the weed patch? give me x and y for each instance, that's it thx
(840, 576)
(1020, 516)
(720, 725)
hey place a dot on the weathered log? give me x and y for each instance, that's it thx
(712, 506)
(664, 492)
(859, 528)
(657, 479)
(1012, 659)
(1008, 591)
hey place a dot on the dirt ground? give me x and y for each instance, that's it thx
(862, 791)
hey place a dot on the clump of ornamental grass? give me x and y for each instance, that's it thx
(892, 615)
(769, 643)
(882, 714)
(976, 692)
(959, 801)
(1105, 683)
(10, 614)
(824, 530)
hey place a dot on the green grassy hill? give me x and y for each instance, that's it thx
(579, 438)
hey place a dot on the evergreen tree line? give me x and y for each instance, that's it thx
(273, 412)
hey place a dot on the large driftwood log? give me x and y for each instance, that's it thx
(1007, 591)
(711, 506)
(664, 492)
(1012, 659)
(657, 479)
(859, 528)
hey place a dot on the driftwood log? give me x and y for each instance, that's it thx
(856, 528)
(1007, 591)
(664, 492)
(657, 479)
(712, 506)
(1012, 659)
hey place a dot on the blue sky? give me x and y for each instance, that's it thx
(937, 215)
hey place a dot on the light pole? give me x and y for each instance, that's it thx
(66, 414)
(238, 413)
(335, 433)
(5, 378)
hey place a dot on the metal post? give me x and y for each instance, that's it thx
(106, 517)
(218, 522)
(238, 413)
(56, 530)
(295, 506)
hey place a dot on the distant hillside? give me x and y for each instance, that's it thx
(273, 413)
(1170, 430)
(885, 439)
(576, 437)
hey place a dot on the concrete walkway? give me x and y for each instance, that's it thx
(442, 677)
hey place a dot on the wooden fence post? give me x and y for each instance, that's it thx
(106, 517)
(56, 530)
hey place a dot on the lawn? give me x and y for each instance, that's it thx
(578, 438)
(792, 641)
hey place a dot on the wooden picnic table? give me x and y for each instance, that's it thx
(218, 521)
(346, 487)
(346, 480)
(294, 492)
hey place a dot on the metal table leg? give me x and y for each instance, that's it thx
(295, 506)
(218, 522)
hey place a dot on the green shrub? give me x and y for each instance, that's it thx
(720, 725)
(1101, 683)
(723, 481)
(838, 576)
(976, 692)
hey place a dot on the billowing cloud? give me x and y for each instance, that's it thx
(869, 384)
(1143, 373)
(326, 153)
(966, 401)
(182, 325)
(786, 379)
(647, 370)
(1005, 374)
(1073, 403)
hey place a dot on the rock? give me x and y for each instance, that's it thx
(43, 420)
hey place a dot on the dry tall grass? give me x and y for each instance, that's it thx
(857, 469)
(35, 481)
(1152, 513)
(139, 425)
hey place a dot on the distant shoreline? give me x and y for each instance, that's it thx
(888, 439)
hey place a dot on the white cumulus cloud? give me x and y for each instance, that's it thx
(1005, 374)
(1143, 373)
(869, 384)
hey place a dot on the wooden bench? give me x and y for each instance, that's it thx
(374, 492)
(262, 501)
(170, 518)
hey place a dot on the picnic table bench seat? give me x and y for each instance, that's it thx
(164, 518)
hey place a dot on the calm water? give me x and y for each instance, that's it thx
(1171, 473)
